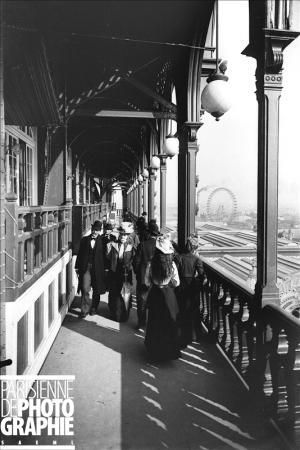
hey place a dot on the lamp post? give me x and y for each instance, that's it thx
(129, 199)
(155, 163)
(135, 199)
(145, 175)
(171, 148)
(140, 180)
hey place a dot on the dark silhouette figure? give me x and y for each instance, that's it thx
(90, 269)
(190, 270)
(141, 264)
(120, 255)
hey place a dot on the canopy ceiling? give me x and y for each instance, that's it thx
(104, 66)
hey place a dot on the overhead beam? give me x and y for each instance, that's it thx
(148, 91)
(126, 114)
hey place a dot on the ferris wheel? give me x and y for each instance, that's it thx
(219, 204)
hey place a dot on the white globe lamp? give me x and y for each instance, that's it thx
(216, 96)
(171, 145)
(155, 162)
(145, 173)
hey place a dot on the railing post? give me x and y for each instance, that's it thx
(30, 243)
(44, 225)
(55, 232)
(11, 261)
(37, 240)
(50, 234)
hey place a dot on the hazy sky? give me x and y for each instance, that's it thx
(228, 149)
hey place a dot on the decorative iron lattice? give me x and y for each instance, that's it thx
(163, 82)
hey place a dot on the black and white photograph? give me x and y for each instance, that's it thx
(149, 225)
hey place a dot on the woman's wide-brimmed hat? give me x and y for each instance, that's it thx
(164, 245)
(126, 228)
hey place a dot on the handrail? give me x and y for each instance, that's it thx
(263, 344)
(43, 208)
(274, 312)
(224, 274)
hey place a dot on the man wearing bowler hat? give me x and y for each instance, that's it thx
(91, 270)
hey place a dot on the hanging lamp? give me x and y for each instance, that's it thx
(171, 145)
(216, 96)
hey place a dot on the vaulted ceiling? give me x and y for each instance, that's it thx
(104, 66)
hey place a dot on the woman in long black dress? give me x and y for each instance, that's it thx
(190, 270)
(161, 340)
(119, 256)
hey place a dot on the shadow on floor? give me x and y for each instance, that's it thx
(125, 402)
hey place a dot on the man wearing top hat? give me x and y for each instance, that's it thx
(91, 269)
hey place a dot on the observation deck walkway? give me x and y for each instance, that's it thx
(122, 401)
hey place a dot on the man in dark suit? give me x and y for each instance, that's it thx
(144, 254)
(91, 269)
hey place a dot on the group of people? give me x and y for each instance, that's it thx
(167, 282)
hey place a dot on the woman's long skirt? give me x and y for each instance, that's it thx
(116, 304)
(161, 338)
